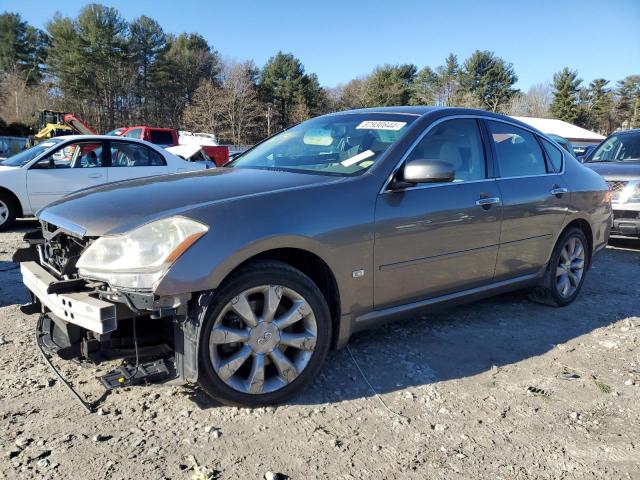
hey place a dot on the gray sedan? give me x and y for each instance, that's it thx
(250, 274)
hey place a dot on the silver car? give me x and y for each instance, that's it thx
(250, 274)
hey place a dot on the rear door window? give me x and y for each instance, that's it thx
(518, 152)
(129, 154)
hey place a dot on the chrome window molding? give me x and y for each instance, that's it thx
(441, 184)
(455, 117)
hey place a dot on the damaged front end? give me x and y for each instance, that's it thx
(86, 315)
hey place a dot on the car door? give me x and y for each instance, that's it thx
(534, 197)
(134, 160)
(434, 239)
(73, 166)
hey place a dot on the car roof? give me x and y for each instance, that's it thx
(149, 128)
(420, 111)
(98, 137)
(626, 132)
(407, 110)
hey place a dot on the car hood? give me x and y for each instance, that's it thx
(629, 170)
(118, 207)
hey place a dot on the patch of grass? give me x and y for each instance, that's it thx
(603, 387)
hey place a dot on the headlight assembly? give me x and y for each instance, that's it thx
(139, 258)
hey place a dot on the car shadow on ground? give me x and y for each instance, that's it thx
(467, 340)
(12, 291)
(23, 225)
(625, 243)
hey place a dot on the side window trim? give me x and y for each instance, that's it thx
(490, 156)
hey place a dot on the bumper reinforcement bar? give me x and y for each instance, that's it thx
(78, 308)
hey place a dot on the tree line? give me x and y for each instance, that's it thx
(112, 72)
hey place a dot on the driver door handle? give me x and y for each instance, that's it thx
(95, 175)
(488, 201)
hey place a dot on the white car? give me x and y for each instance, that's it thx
(56, 167)
(192, 153)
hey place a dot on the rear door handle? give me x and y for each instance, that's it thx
(559, 190)
(488, 201)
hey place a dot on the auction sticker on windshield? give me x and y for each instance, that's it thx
(380, 125)
(357, 158)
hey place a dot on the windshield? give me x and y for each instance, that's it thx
(345, 144)
(618, 148)
(22, 158)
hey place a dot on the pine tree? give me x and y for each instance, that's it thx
(489, 80)
(601, 103)
(566, 86)
(390, 85)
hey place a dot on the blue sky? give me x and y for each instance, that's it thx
(339, 40)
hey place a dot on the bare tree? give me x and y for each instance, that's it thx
(204, 112)
(21, 100)
(238, 99)
(354, 94)
(534, 103)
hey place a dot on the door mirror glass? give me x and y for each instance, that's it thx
(421, 170)
(45, 164)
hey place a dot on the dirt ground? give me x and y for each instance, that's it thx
(501, 389)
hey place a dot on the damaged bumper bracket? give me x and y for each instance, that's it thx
(77, 308)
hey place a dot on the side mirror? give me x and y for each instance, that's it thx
(45, 164)
(421, 170)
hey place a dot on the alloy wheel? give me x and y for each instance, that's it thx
(263, 339)
(570, 267)
(4, 212)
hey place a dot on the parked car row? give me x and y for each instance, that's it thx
(58, 166)
(617, 159)
(249, 274)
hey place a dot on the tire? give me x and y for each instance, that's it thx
(562, 268)
(8, 211)
(287, 343)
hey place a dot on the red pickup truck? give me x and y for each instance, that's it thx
(165, 137)
(168, 137)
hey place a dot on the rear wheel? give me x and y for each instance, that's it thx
(265, 336)
(566, 270)
(8, 211)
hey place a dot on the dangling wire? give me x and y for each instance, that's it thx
(376, 394)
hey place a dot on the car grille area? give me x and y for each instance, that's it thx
(617, 187)
(60, 251)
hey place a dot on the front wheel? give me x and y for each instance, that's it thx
(8, 212)
(566, 270)
(265, 336)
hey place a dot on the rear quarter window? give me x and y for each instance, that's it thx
(554, 154)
